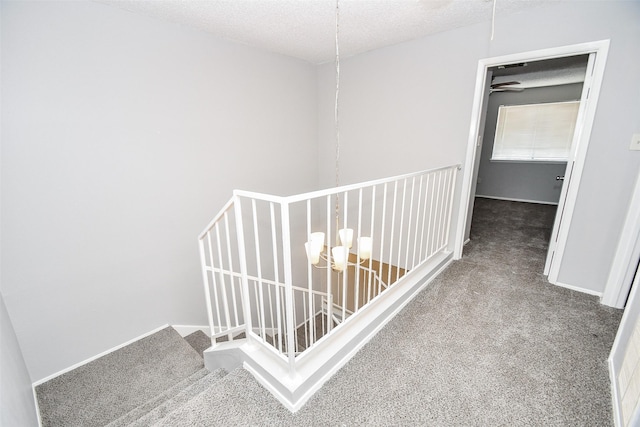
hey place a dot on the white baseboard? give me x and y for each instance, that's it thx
(97, 356)
(511, 199)
(332, 351)
(270, 387)
(466, 241)
(185, 330)
(35, 400)
(615, 396)
(84, 362)
(347, 357)
(578, 289)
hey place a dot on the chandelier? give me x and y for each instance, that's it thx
(315, 246)
(339, 254)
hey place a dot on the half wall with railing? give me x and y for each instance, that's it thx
(295, 285)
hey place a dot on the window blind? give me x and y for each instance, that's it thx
(535, 132)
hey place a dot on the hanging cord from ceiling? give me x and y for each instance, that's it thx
(337, 109)
(337, 105)
(493, 20)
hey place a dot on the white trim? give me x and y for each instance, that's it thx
(615, 395)
(185, 330)
(336, 190)
(536, 162)
(467, 168)
(511, 199)
(578, 289)
(35, 400)
(330, 353)
(269, 386)
(601, 49)
(620, 345)
(335, 368)
(97, 356)
(624, 264)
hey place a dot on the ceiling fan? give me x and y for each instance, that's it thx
(506, 87)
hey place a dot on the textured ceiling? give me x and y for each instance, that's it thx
(305, 29)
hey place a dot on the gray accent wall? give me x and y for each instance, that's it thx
(533, 182)
(408, 107)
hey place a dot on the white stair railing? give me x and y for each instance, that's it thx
(220, 271)
(258, 279)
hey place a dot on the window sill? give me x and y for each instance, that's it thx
(549, 162)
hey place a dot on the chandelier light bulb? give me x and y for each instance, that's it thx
(365, 245)
(340, 256)
(346, 237)
(314, 247)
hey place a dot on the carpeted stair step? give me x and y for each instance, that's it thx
(199, 341)
(107, 388)
(225, 338)
(236, 399)
(179, 399)
(158, 400)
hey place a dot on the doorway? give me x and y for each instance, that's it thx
(530, 120)
(597, 52)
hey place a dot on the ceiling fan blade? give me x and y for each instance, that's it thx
(497, 85)
(507, 89)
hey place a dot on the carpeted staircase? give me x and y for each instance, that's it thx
(137, 385)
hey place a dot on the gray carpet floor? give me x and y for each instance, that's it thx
(199, 341)
(489, 342)
(111, 386)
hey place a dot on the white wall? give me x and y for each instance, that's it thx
(397, 107)
(122, 136)
(17, 406)
(408, 107)
(535, 182)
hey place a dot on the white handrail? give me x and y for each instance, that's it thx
(408, 216)
(335, 190)
(216, 218)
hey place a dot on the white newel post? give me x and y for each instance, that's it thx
(207, 293)
(242, 255)
(288, 285)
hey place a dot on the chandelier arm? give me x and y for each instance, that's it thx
(325, 258)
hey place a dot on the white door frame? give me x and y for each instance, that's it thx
(601, 49)
(571, 162)
(619, 349)
(626, 256)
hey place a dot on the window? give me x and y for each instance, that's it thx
(535, 132)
